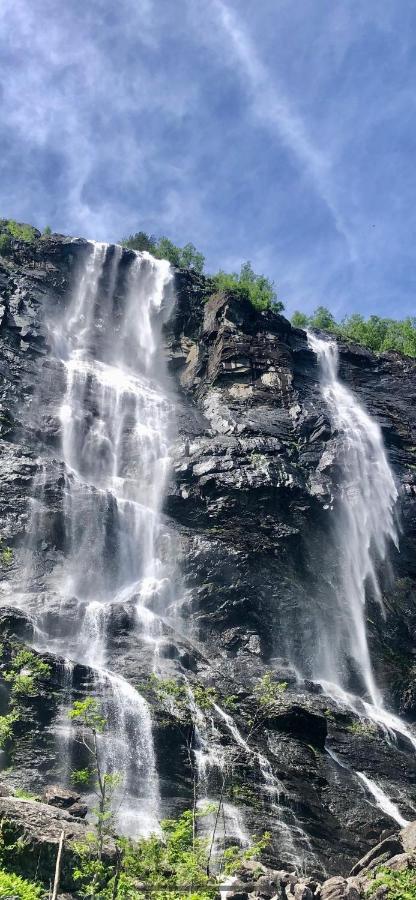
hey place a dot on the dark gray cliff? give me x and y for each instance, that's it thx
(250, 505)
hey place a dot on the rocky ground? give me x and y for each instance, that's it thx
(248, 515)
(39, 826)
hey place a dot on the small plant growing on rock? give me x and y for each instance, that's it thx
(268, 690)
(25, 674)
(204, 697)
(21, 232)
(365, 729)
(6, 555)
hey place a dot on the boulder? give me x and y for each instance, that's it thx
(63, 798)
(378, 855)
(408, 836)
(38, 828)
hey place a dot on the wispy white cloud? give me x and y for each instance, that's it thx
(272, 108)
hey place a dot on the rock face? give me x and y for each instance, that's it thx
(39, 828)
(253, 490)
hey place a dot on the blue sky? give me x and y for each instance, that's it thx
(277, 131)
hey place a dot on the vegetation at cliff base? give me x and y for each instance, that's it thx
(376, 333)
(399, 885)
(13, 886)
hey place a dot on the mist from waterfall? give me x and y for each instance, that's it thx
(114, 420)
(364, 528)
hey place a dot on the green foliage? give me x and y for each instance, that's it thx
(258, 289)
(300, 319)
(25, 673)
(204, 697)
(230, 702)
(364, 729)
(233, 856)
(6, 729)
(21, 232)
(187, 257)
(13, 886)
(6, 556)
(87, 713)
(379, 334)
(140, 241)
(400, 885)
(169, 688)
(21, 794)
(5, 244)
(82, 777)
(268, 690)
(244, 794)
(47, 230)
(323, 319)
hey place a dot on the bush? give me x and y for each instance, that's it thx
(13, 886)
(21, 232)
(258, 289)
(300, 319)
(400, 885)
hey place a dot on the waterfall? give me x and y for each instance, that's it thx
(382, 800)
(115, 446)
(365, 527)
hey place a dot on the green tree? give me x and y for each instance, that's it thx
(187, 257)
(140, 241)
(300, 319)
(258, 289)
(323, 319)
(87, 715)
(47, 230)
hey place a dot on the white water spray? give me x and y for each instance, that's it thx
(365, 528)
(115, 438)
(382, 800)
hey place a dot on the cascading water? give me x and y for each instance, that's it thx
(365, 528)
(115, 428)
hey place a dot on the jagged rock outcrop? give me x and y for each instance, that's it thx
(31, 832)
(254, 480)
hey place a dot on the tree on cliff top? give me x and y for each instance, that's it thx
(187, 257)
(246, 284)
(377, 333)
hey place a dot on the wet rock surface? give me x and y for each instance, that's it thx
(249, 508)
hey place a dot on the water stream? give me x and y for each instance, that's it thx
(365, 526)
(115, 447)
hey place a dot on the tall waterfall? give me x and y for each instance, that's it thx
(365, 526)
(114, 424)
